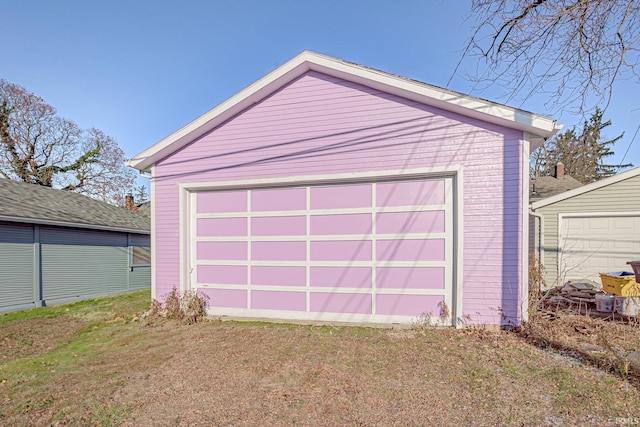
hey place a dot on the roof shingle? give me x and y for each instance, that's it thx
(33, 203)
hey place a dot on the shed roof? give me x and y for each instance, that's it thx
(586, 188)
(31, 203)
(538, 127)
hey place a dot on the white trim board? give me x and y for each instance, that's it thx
(586, 188)
(539, 127)
(326, 179)
(288, 316)
(524, 190)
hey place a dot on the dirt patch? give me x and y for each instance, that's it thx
(36, 336)
(246, 375)
(121, 372)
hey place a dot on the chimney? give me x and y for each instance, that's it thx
(559, 170)
(129, 203)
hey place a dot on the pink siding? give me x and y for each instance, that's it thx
(321, 125)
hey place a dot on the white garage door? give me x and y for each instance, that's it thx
(592, 244)
(364, 252)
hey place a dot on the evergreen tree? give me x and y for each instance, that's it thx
(583, 154)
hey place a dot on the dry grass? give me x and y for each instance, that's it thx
(610, 343)
(98, 365)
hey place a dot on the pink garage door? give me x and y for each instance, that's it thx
(366, 252)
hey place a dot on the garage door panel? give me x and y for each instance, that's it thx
(340, 196)
(226, 298)
(221, 227)
(411, 250)
(278, 300)
(365, 249)
(410, 193)
(408, 305)
(223, 274)
(410, 278)
(281, 199)
(278, 276)
(410, 222)
(345, 250)
(341, 303)
(227, 251)
(340, 277)
(221, 202)
(278, 251)
(597, 244)
(279, 226)
(359, 224)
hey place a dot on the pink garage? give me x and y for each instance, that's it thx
(329, 191)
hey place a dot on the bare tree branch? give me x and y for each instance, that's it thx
(38, 147)
(572, 49)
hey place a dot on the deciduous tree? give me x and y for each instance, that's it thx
(39, 147)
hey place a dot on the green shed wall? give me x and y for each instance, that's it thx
(42, 265)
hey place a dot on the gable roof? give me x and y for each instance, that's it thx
(547, 186)
(586, 188)
(31, 203)
(538, 127)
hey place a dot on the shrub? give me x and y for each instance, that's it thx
(189, 307)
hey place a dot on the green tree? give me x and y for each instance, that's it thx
(583, 154)
(39, 147)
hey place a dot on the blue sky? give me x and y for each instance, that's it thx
(139, 70)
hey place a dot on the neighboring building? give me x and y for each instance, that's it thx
(335, 192)
(546, 186)
(58, 246)
(541, 188)
(592, 229)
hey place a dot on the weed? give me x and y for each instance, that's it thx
(426, 319)
(189, 307)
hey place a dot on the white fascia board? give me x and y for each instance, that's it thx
(539, 127)
(586, 188)
(424, 93)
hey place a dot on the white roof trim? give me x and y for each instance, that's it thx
(539, 127)
(586, 188)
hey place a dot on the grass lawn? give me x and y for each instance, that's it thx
(95, 363)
